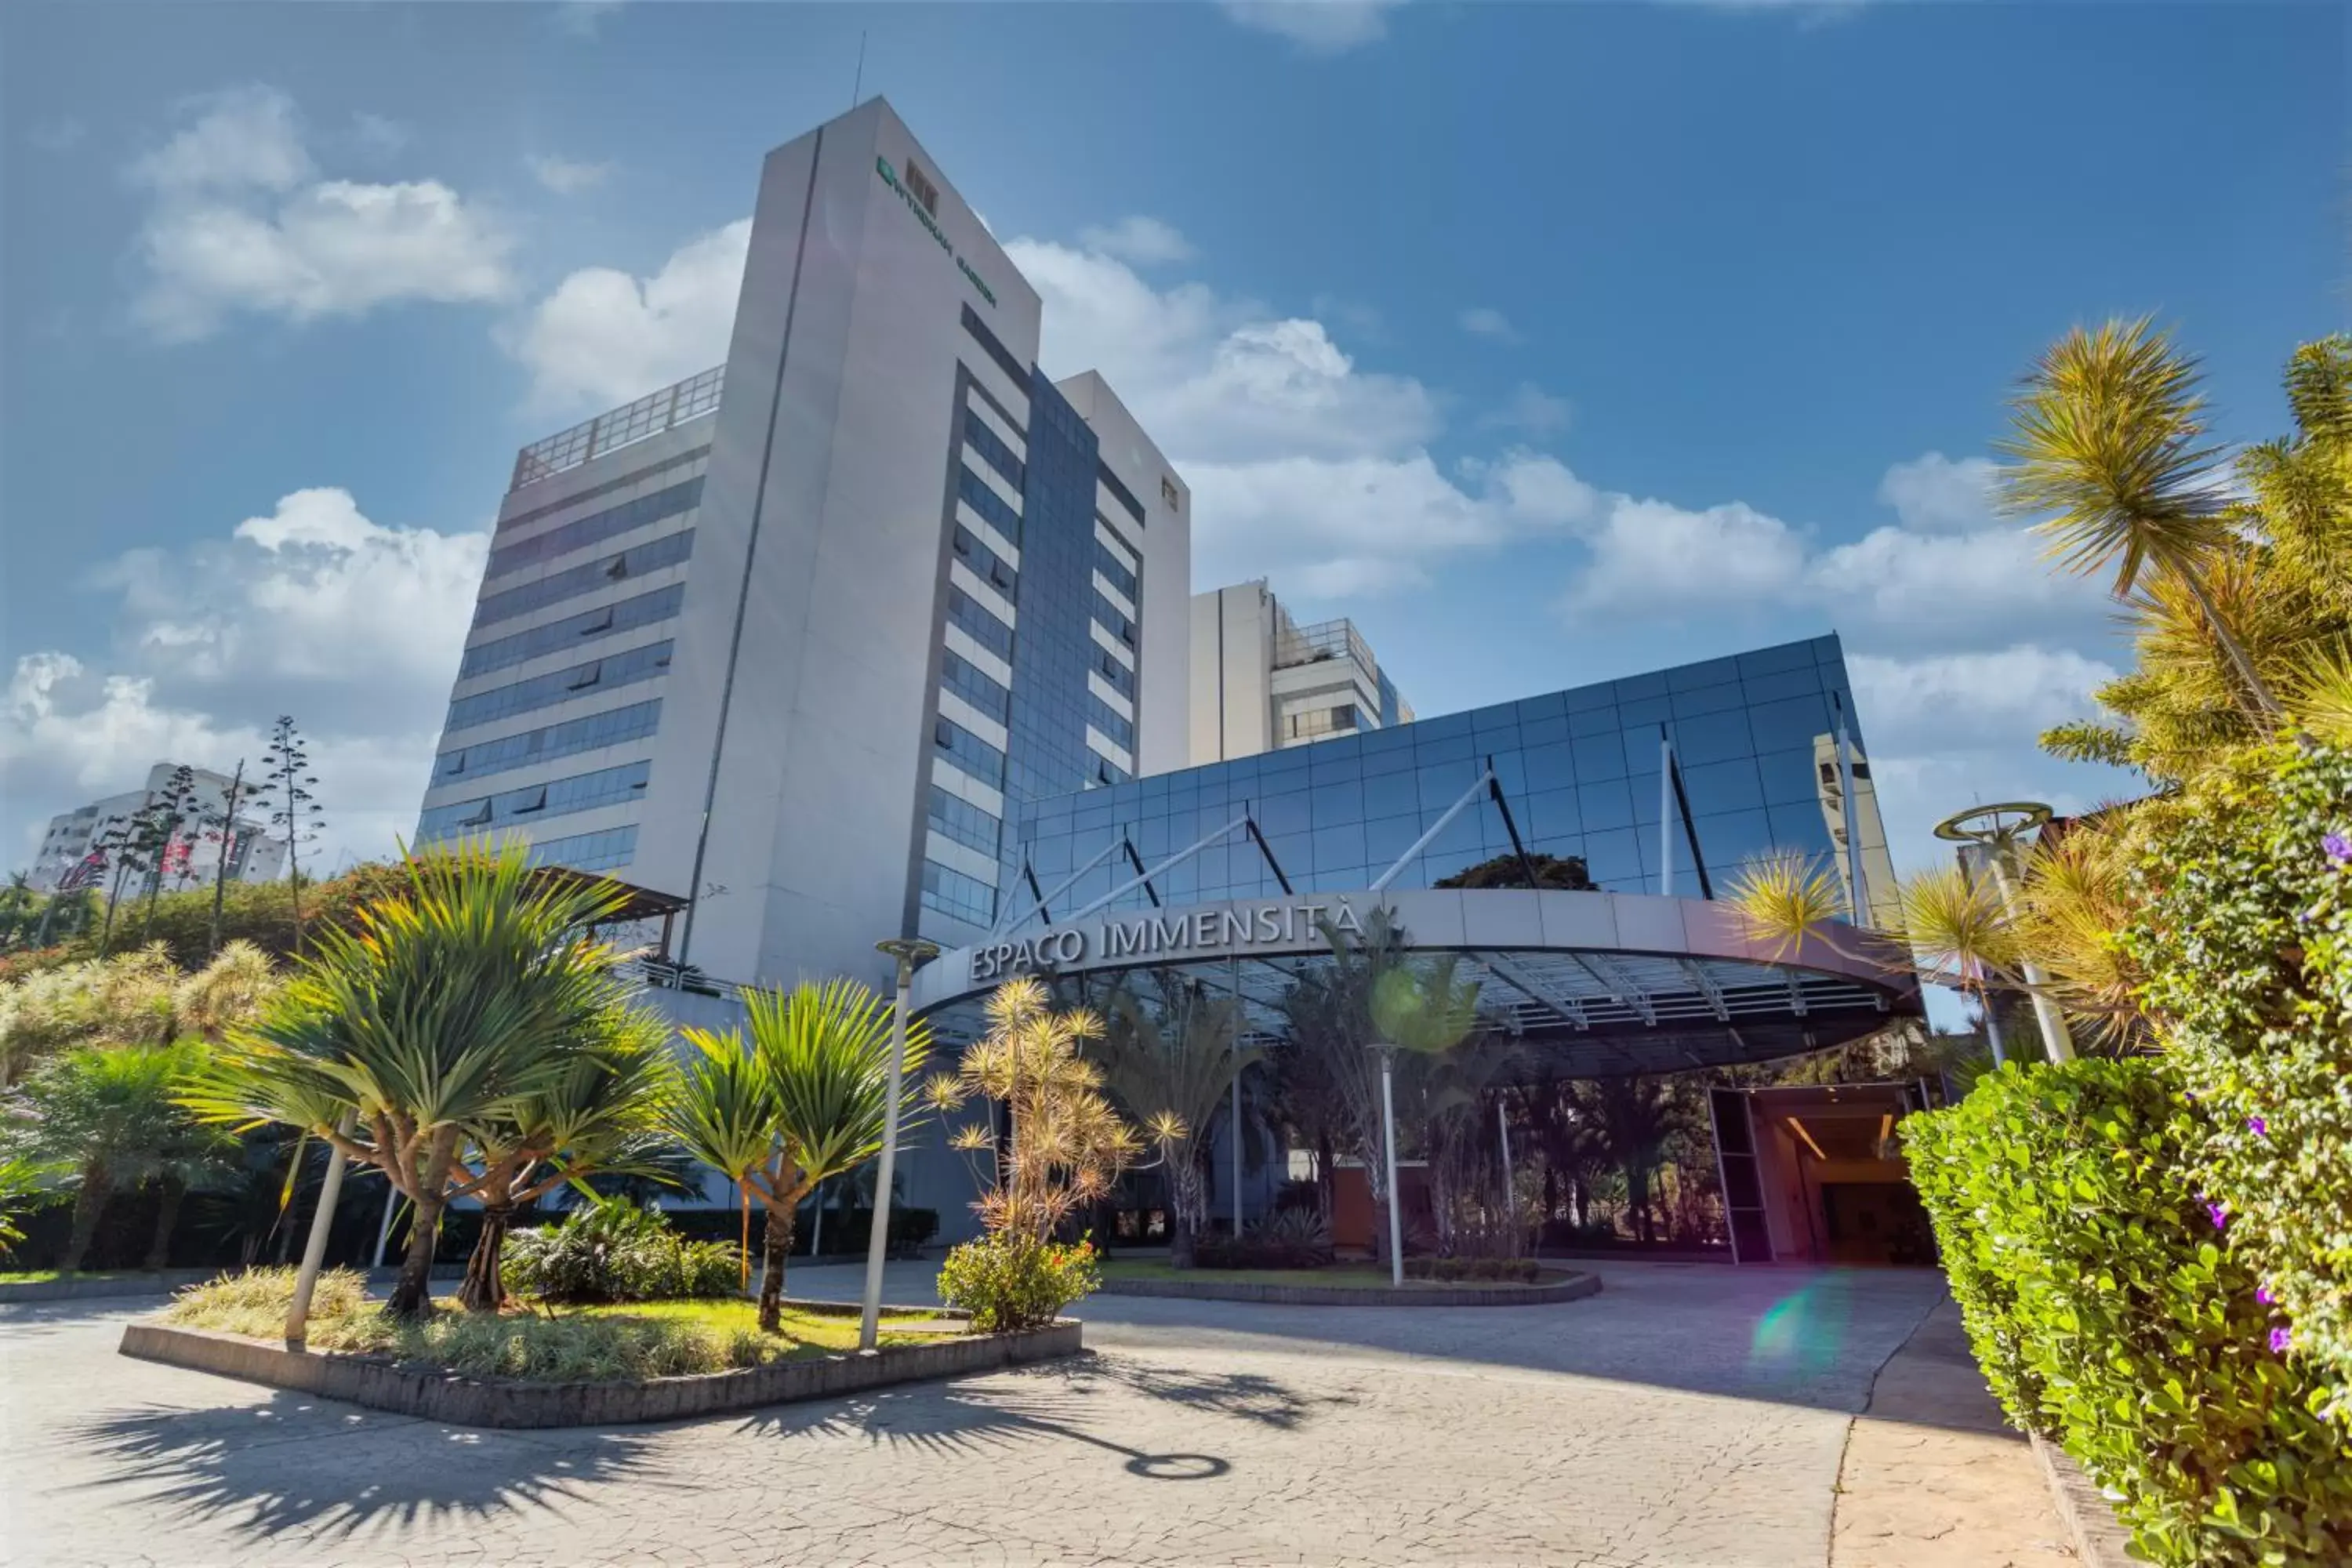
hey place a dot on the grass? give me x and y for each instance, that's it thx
(1354, 1276)
(590, 1344)
(44, 1276)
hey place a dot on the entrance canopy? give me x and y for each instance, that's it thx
(1600, 984)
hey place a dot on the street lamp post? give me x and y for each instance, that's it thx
(1388, 1153)
(314, 1251)
(909, 951)
(1995, 830)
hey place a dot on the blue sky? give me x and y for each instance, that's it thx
(1550, 342)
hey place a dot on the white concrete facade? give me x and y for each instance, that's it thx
(195, 858)
(1261, 682)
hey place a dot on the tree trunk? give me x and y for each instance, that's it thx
(1327, 1160)
(484, 1287)
(1180, 1254)
(2265, 706)
(170, 1189)
(96, 1187)
(773, 1248)
(412, 1294)
(1380, 1228)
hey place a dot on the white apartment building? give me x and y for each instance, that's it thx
(1262, 681)
(194, 857)
(786, 639)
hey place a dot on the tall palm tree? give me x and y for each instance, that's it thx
(600, 1115)
(1174, 1067)
(460, 994)
(804, 1101)
(2107, 438)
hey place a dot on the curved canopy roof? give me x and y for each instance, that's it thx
(1602, 984)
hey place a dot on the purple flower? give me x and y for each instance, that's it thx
(2262, 1294)
(2258, 1127)
(2220, 1215)
(2281, 1339)
(2338, 847)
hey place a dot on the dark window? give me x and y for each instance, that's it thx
(992, 446)
(955, 817)
(667, 550)
(988, 503)
(995, 348)
(1121, 575)
(1107, 719)
(545, 690)
(1126, 497)
(974, 685)
(919, 186)
(628, 615)
(595, 528)
(979, 623)
(970, 753)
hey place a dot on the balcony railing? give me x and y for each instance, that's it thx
(648, 416)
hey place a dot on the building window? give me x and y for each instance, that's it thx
(980, 624)
(667, 551)
(953, 894)
(952, 816)
(919, 183)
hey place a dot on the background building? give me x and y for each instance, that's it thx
(196, 857)
(1262, 681)
(792, 638)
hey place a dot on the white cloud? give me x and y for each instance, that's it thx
(240, 223)
(379, 135)
(603, 337)
(1145, 241)
(1319, 27)
(1484, 322)
(312, 609)
(1532, 410)
(1933, 494)
(567, 177)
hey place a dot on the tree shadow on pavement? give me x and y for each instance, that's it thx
(328, 1469)
(1055, 1401)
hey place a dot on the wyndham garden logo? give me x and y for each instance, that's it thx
(890, 178)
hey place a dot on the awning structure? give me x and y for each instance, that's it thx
(1597, 983)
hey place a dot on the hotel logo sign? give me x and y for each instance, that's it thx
(1171, 936)
(922, 214)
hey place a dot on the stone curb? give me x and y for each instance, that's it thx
(2099, 1539)
(381, 1384)
(1570, 1289)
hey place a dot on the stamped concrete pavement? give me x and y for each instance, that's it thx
(1689, 1415)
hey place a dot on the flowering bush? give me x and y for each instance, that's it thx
(1009, 1282)
(2245, 934)
(2109, 1311)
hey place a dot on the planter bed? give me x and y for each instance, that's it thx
(437, 1394)
(1413, 1293)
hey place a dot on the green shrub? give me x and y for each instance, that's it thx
(1009, 1282)
(2245, 935)
(1451, 1271)
(1286, 1238)
(2106, 1308)
(254, 1304)
(613, 1252)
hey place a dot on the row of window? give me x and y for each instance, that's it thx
(955, 817)
(567, 739)
(1108, 563)
(984, 500)
(560, 686)
(1011, 367)
(1114, 670)
(572, 581)
(1316, 722)
(588, 851)
(980, 623)
(975, 686)
(952, 893)
(992, 446)
(1114, 620)
(972, 755)
(1110, 721)
(985, 563)
(557, 797)
(596, 527)
(1126, 497)
(523, 647)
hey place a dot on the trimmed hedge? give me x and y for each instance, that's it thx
(2108, 1310)
(2245, 933)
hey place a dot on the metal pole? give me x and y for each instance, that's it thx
(1666, 814)
(908, 952)
(1234, 975)
(2057, 1038)
(1856, 898)
(1992, 1026)
(298, 1316)
(383, 1231)
(1503, 1130)
(1381, 883)
(1388, 1144)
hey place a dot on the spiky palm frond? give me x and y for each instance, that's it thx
(227, 993)
(2319, 695)
(1785, 899)
(1957, 928)
(827, 1050)
(2073, 899)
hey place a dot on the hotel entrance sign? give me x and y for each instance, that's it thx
(1180, 934)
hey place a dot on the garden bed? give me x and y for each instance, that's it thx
(1337, 1286)
(656, 1361)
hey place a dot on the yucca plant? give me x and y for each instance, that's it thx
(803, 1102)
(1069, 1144)
(463, 992)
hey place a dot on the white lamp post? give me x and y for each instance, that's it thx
(1388, 1153)
(1995, 830)
(314, 1251)
(909, 951)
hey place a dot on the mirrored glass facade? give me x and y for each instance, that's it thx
(1753, 739)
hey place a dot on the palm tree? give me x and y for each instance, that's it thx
(1068, 1145)
(1174, 1067)
(1635, 1119)
(600, 1114)
(461, 994)
(108, 1118)
(803, 1101)
(2107, 439)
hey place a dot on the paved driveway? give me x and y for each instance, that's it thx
(1690, 1416)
